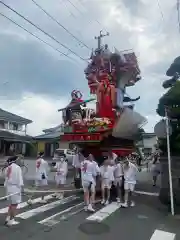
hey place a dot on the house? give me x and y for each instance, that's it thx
(13, 133)
(50, 141)
(148, 143)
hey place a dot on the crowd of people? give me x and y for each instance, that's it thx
(113, 171)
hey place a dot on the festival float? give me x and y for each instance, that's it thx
(112, 124)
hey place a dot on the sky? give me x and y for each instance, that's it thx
(35, 80)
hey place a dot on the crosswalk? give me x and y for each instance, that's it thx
(55, 211)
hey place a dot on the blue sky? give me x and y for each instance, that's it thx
(36, 80)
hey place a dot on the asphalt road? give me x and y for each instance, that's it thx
(66, 218)
(148, 220)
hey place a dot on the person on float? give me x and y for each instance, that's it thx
(118, 178)
(61, 168)
(97, 170)
(107, 177)
(13, 185)
(130, 171)
(88, 174)
(41, 177)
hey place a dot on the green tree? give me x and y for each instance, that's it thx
(171, 101)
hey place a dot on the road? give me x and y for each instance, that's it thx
(148, 220)
(66, 218)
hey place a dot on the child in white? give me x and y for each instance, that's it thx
(88, 173)
(107, 178)
(41, 175)
(13, 184)
(130, 171)
(118, 174)
(61, 173)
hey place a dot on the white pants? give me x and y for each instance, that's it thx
(106, 183)
(60, 179)
(129, 186)
(118, 181)
(41, 183)
(16, 198)
(88, 186)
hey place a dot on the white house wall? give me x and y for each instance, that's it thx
(150, 142)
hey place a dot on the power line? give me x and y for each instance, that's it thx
(160, 9)
(52, 18)
(178, 14)
(40, 29)
(72, 4)
(32, 34)
(100, 24)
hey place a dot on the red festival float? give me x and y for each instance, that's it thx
(113, 124)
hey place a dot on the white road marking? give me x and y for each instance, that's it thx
(25, 204)
(161, 235)
(103, 213)
(50, 221)
(147, 193)
(35, 211)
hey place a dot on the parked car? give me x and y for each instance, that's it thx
(59, 152)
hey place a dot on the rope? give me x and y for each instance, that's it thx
(5, 197)
(25, 191)
(52, 191)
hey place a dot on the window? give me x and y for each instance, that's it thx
(2, 124)
(15, 127)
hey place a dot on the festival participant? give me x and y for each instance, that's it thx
(107, 178)
(13, 185)
(88, 173)
(111, 157)
(61, 168)
(130, 170)
(97, 170)
(155, 168)
(41, 178)
(76, 163)
(118, 175)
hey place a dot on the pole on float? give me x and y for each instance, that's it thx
(169, 163)
(100, 37)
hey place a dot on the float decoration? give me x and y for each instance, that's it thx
(108, 74)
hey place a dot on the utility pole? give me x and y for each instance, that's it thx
(100, 37)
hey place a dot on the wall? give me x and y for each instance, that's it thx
(19, 129)
(41, 146)
(150, 142)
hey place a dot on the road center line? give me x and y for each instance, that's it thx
(51, 220)
(25, 204)
(103, 213)
(35, 211)
(161, 235)
(147, 193)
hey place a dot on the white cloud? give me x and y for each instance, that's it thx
(42, 110)
(152, 120)
(154, 38)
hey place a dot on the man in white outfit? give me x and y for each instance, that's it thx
(118, 175)
(107, 177)
(97, 170)
(130, 170)
(88, 173)
(13, 185)
(61, 169)
(41, 178)
(77, 159)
